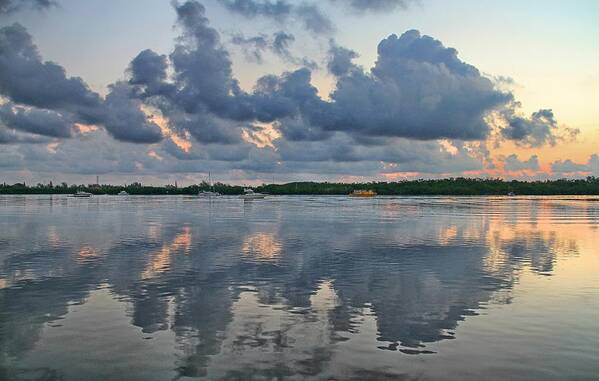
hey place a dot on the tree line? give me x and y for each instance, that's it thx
(448, 186)
(132, 189)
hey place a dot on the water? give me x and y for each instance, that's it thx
(323, 288)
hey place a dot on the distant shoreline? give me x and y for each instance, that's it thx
(441, 187)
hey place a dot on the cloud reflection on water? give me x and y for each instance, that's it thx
(283, 288)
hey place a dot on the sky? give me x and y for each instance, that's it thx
(258, 91)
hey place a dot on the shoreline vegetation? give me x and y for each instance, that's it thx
(440, 187)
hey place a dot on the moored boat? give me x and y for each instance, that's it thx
(249, 194)
(81, 194)
(123, 193)
(362, 193)
(208, 194)
(211, 193)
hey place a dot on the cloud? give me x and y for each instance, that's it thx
(148, 68)
(417, 89)
(420, 108)
(538, 130)
(340, 59)
(26, 80)
(314, 19)
(403, 155)
(147, 72)
(124, 118)
(10, 6)
(281, 47)
(203, 68)
(374, 5)
(94, 154)
(13, 137)
(35, 121)
(206, 128)
(254, 8)
(568, 166)
(203, 98)
(513, 163)
(288, 95)
(253, 47)
(296, 130)
(279, 44)
(309, 15)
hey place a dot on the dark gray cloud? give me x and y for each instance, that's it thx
(124, 119)
(308, 14)
(206, 128)
(340, 59)
(26, 80)
(296, 129)
(568, 166)
(314, 19)
(203, 68)
(148, 73)
(417, 89)
(94, 154)
(35, 121)
(281, 46)
(10, 6)
(288, 95)
(513, 163)
(281, 43)
(538, 130)
(253, 47)
(341, 153)
(253, 8)
(374, 5)
(148, 68)
(203, 97)
(9, 136)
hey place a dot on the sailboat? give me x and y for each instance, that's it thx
(210, 193)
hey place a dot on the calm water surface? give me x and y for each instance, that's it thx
(306, 288)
